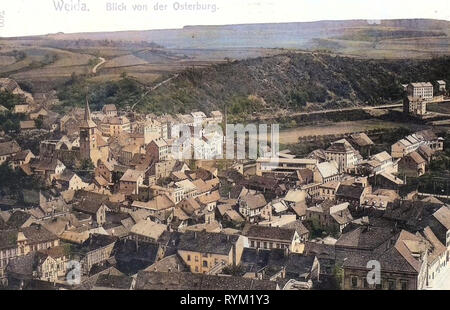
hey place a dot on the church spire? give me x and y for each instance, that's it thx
(87, 121)
(87, 111)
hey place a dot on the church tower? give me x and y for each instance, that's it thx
(88, 130)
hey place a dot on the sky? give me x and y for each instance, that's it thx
(34, 17)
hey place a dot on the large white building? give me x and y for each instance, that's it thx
(420, 90)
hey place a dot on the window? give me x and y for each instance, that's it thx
(205, 263)
(354, 282)
(391, 285)
(196, 258)
(196, 269)
(189, 258)
(404, 285)
(252, 244)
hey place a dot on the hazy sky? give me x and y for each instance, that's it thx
(30, 17)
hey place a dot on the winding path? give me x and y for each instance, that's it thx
(102, 61)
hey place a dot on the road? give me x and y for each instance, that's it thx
(386, 106)
(153, 88)
(102, 61)
(434, 195)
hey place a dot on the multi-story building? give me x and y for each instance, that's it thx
(207, 253)
(420, 90)
(343, 154)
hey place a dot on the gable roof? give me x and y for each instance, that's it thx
(207, 242)
(267, 232)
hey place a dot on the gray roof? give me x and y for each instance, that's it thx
(266, 232)
(190, 281)
(206, 242)
(10, 147)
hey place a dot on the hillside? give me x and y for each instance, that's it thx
(293, 81)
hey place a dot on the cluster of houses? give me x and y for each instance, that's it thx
(141, 218)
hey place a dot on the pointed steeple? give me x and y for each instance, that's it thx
(87, 111)
(87, 121)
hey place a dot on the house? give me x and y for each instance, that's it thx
(69, 180)
(266, 237)
(426, 152)
(326, 172)
(27, 125)
(254, 207)
(403, 263)
(158, 203)
(343, 154)
(439, 223)
(96, 250)
(442, 86)
(8, 150)
(205, 252)
(353, 194)
(131, 181)
(35, 265)
(412, 142)
(109, 110)
(412, 165)
(94, 208)
(330, 217)
(415, 106)
(305, 176)
(115, 125)
(158, 150)
(48, 168)
(327, 191)
(146, 230)
(362, 142)
(21, 158)
(438, 257)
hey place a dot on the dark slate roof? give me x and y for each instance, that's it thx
(36, 233)
(365, 237)
(393, 255)
(350, 191)
(9, 147)
(23, 266)
(17, 219)
(95, 241)
(253, 260)
(297, 226)
(321, 251)
(266, 232)
(118, 282)
(132, 256)
(298, 266)
(191, 281)
(206, 242)
(8, 239)
(414, 214)
(88, 206)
